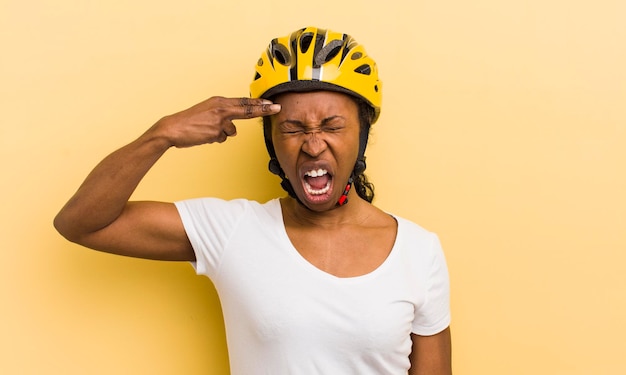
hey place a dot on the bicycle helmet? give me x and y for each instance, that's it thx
(311, 59)
(317, 59)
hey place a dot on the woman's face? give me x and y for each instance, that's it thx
(316, 139)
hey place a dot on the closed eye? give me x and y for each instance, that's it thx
(332, 128)
(333, 124)
(291, 127)
(329, 125)
(292, 131)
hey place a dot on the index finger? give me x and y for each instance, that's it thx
(256, 107)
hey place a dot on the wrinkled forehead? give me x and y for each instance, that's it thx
(316, 102)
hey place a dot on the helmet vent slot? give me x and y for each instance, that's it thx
(356, 56)
(305, 42)
(328, 52)
(281, 54)
(364, 69)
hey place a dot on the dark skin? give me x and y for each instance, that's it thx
(320, 130)
(367, 234)
(311, 131)
(99, 215)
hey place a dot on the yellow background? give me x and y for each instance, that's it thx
(503, 130)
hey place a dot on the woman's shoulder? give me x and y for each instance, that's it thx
(220, 202)
(217, 207)
(409, 230)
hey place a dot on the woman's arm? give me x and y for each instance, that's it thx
(431, 355)
(99, 214)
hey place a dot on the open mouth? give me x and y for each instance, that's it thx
(317, 182)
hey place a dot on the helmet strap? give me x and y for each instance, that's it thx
(359, 166)
(344, 197)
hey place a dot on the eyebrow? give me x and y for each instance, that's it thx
(302, 125)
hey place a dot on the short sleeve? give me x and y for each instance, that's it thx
(210, 224)
(433, 316)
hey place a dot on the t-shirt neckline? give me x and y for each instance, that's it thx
(311, 268)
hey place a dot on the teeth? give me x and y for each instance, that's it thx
(316, 173)
(312, 191)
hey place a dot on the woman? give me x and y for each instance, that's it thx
(318, 282)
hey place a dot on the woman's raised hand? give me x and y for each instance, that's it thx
(211, 120)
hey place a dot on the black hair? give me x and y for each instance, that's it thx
(363, 187)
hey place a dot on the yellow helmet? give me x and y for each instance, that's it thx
(317, 59)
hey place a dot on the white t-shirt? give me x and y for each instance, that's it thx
(285, 316)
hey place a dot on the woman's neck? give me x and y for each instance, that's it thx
(355, 211)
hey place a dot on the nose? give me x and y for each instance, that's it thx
(314, 144)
